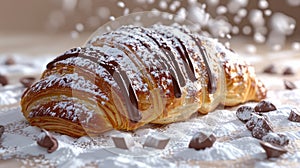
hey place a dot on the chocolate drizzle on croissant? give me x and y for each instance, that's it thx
(167, 61)
(126, 87)
(119, 75)
(132, 76)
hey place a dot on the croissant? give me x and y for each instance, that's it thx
(133, 76)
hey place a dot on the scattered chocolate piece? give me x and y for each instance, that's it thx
(278, 139)
(272, 150)
(257, 119)
(157, 141)
(270, 69)
(288, 71)
(1, 130)
(259, 132)
(202, 141)
(10, 61)
(244, 113)
(264, 106)
(289, 85)
(3, 80)
(294, 115)
(259, 125)
(27, 81)
(46, 140)
(252, 122)
(123, 141)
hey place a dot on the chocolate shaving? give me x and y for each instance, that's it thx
(3, 80)
(201, 141)
(46, 140)
(1, 130)
(294, 115)
(272, 151)
(264, 106)
(289, 85)
(27, 81)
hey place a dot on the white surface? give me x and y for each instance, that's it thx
(234, 146)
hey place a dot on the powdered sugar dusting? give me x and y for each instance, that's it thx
(125, 64)
(234, 142)
(91, 66)
(72, 81)
(69, 110)
(234, 145)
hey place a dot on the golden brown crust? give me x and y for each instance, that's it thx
(134, 76)
(242, 84)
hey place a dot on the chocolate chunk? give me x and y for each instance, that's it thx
(259, 125)
(251, 123)
(27, 81)
(294, 115)
(261, 131)
(123, 141)
(278, 139)
(46, 140)
(10, 61)
(3, 80)
(1, 130)
(257, 119)
(289, 85)
(157, 141)
(272, 150)
(202, 141)
(264, 106)
(270, 69)
(244, 113)
(288, 71)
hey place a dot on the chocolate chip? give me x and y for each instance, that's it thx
(270, 69)
(244, 113)
(202, 141)
(264, 106)
(123, 141)
(278, 139)
(257, 119)
(260, 131)
(46, 140)
(289, 85)
(10, 61)
(27, 81)
(259, 125)
(272, 150)
(294, 115)
(288, 71)
(252, 122)
(157, 141)
(3, 80)
(1, 130)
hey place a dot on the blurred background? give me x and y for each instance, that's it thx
(35, 27)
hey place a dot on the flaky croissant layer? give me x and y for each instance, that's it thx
(133, 76)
